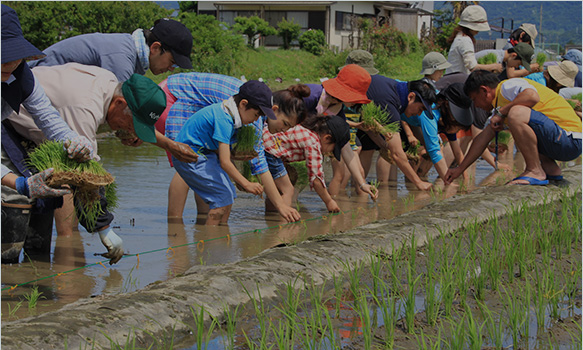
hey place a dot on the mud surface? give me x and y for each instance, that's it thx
(164, 308)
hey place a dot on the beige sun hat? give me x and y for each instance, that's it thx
(474, 17)
(529, 29)
(433, 61)
(564, 73)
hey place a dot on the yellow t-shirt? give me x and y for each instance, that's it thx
(551, 104)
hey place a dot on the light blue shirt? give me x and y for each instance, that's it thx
(207, 128)
(115, 52)
(430, 132)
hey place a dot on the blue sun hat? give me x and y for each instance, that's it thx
(14, 45)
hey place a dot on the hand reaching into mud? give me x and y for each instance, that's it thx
(332, 206)
(253, 188)
(289, 213)
(114, 245)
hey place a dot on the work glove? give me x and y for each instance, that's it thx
(79, 148)
(36, 187)
(113, 243)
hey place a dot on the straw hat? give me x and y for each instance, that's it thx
(474, 17)
(564, 73)
(433, 61)
(529, 29)
(350, 85)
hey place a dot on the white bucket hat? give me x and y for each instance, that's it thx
(564, 73)
(433, 61)
(529, 29)
(474, 17)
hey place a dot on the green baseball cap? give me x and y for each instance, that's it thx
(147, 101)
(525, 53)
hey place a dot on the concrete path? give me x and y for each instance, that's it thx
(161, 307)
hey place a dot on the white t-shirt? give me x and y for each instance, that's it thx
(461, 55)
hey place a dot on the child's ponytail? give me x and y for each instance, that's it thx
(290, 101)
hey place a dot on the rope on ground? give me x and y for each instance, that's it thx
(199, 244)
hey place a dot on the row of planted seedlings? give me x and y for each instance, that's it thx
(509, 282)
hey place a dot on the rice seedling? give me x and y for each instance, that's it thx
(298, 173)
(85, 178)
(375, 266)
(363, 312)
(410, 300)
(515, 315)
(244, 148)
(13, 309)
(198, 329)
(309, 332)
(260, 313)
(431, 298)
(494, 326)
(430, 344)
(390, 310)
(338, 291)
(412, 151)
(541, 58)
(376, 119)
(474, 331)
(33, 297)
(457, 339)
(330, 334)
(230, 323)
(375, 185)
(488, 59)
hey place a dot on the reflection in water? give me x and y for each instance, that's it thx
(143, 175)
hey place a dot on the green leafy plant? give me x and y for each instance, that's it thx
(246, 140)
(541, 58)
(33, 297)
(288, 31)
(488, 59)
(376, 119)
(313, 41)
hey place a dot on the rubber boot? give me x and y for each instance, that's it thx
(38, 241)
(15, 220)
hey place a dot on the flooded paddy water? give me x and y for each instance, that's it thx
(143, 175)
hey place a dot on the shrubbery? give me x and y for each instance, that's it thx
(313, 41)
(215, 48)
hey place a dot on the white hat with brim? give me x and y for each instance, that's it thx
(475, 18)
(432, 62)
(564, 73)
(529, 29)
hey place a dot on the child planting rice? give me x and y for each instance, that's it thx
(316, 136)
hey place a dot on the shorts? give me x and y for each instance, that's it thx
(276, 166)
(552, 140)
(208, 180)
(366, 142)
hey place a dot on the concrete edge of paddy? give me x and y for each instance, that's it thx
(164, 307)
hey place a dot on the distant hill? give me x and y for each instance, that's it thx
(561, 20)
(171, 5)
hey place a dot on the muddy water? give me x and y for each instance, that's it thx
(142, 175)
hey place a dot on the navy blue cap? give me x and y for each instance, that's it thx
(177, 37)
(14, 45)
(258, 94)
(340, 131)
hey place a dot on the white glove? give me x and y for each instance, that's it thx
(113, 243)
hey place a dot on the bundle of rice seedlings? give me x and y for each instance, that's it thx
(411, 151)
(575, 102)
(85, 178)
(246, 172)
(246, 139)
(376, 119)
(298, 174)
(541, 58)
(488, 59)
(504, 138)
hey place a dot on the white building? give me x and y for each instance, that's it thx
(337, 19)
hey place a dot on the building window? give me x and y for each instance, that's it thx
(344, 20)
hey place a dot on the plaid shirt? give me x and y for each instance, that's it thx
(297, 144)
(193, 92)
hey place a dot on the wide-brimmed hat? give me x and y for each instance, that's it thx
(564, 73)
(177, 37)
(350, 85)
(529, 29)
(147, 101)
(432, 62)
(459, 103)
(525, 53)
(258, 94)
(474, 17)
(14, 45)
(362, 58)
(340, 132)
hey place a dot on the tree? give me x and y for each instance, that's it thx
(313, 41)
(47, 22)
(288, 31)
(188, 6)
(252, 27)
(460, 6)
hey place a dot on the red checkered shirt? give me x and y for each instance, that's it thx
(297, 144)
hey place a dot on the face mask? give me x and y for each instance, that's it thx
(327, 105)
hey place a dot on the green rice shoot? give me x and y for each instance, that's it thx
(246, 139)
(488, 59)
(377, 119)
(246, 172)
(51, 154)
(302, 174)
(541, 58)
